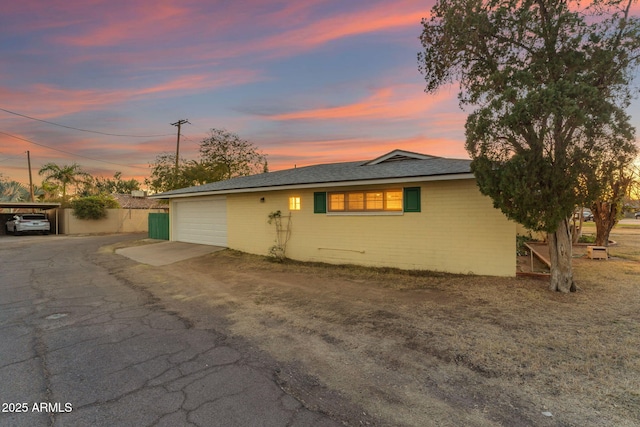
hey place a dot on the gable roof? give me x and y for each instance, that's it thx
(394, 167)
(399, 155)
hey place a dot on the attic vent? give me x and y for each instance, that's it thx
(398, 156)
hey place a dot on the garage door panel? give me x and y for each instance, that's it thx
(201, 221)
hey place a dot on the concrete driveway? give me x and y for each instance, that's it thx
(80, 347)
(161, 252)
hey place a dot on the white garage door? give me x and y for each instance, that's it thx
(201, 221)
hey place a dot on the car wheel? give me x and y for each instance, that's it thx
(16, 232)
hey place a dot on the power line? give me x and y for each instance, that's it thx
(8, 157)
(190, 140)
(203, 130)
(70, 153)
(82, 130)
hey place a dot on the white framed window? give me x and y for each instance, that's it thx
(366, 201)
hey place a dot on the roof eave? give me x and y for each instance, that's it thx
(29, 205)
(378, 181)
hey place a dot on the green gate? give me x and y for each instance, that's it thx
(159, 226)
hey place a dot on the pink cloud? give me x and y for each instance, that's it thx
(293, 28)
(98, 22)
(153, 36)
(297, 23)
(99, 158)
(131, 21)
(395, 102)
(56, 101)
(381, 17)
(345, 26)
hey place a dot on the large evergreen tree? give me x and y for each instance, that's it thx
(548, 83)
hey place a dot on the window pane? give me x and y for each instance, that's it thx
(336, 202)
(355, 201)
(374, 201)
(294, 203)
(393, 200)
(358, 201)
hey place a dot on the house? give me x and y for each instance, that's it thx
(403, 210)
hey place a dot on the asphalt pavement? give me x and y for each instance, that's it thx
(79, 347)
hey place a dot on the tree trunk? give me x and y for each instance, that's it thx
(560, 251)
(576, 230)
(605, 216)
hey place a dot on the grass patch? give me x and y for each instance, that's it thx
(587, 238)
(629, 226)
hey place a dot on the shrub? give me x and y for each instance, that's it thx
(521, 249)
(93, 207)
(587, 238)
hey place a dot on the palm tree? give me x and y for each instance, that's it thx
(13, 191)
(41, 192)
(63, 176)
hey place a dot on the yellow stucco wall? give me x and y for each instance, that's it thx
(524, 231)
(456, 231)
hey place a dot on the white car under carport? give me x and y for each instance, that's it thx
(34, 222)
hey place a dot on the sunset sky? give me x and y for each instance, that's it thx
(308, 82)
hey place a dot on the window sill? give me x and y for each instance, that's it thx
(378, 213)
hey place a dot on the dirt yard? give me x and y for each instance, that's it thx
(421, 349)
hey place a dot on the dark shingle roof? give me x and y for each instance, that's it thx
(335, 173)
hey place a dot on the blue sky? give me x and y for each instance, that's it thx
(306, 81)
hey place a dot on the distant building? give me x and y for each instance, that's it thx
(139, 201)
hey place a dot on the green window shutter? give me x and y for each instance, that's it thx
(320, 202)
(412, 199)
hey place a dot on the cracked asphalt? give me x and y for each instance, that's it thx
(80, 347)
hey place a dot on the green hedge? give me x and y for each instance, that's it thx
(93, 207)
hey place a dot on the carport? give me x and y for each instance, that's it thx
(42, 206)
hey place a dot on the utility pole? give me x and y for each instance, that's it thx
(179, 123)
(30, 178)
